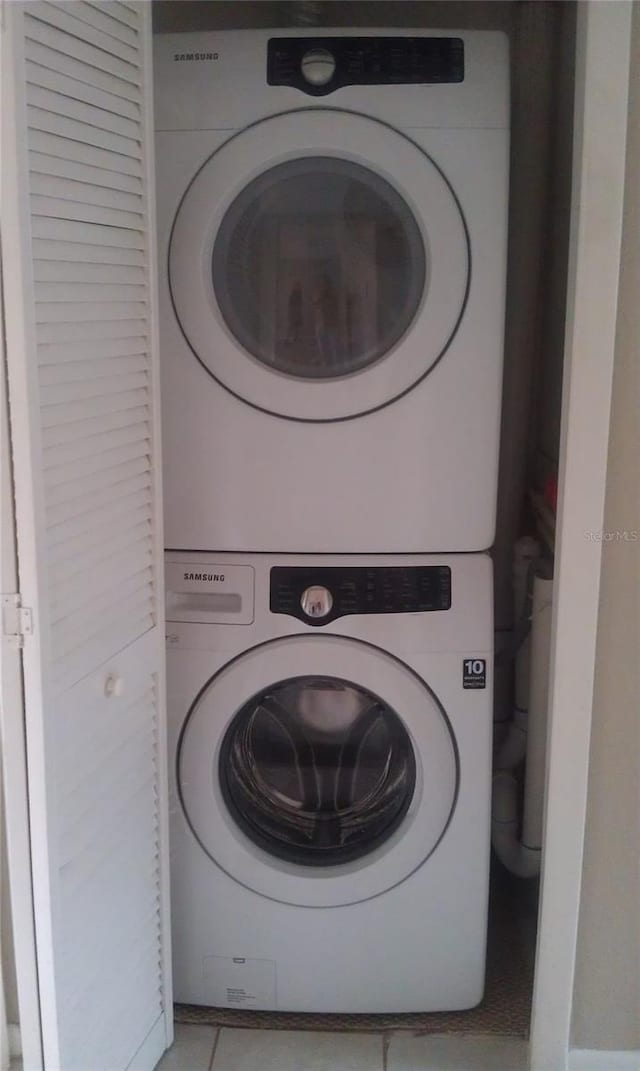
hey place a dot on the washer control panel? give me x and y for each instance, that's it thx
(318, 595)
(319, 65)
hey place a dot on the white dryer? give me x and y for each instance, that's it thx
(330, 746)
(332, 238)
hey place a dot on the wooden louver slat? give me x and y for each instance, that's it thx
(94, 462)
(85, 133)
(58, 103)
(64, 230)
(42, 77)
(117, 10)
(60, 249)
(101, 19)
(83, 211)
(57, 271)
(45, 143)
(99, 519)
(69, 412)
(95, 544)
(106, 484)
(85, 52)
(61, 16)
(46, 55)
(97, 178)
(103, 546)
(85, 193)
(89, 331)
(90, 366)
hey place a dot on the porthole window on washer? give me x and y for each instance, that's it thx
(318, 267)
(317, 770)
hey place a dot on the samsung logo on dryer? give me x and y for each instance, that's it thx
(194, 57)
(214, 578)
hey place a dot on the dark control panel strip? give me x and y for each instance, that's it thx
(358, 590)
(367, 61)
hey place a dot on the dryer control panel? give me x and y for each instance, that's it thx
(319, 65)
(318, 595)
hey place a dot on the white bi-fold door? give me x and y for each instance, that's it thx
(78, 271)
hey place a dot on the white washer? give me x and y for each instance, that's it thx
(332, 262)
(330, 755)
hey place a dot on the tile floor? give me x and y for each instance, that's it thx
(205, 1048)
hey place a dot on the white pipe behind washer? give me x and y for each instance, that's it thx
(522, 861)
(522, 857)
(538, 704)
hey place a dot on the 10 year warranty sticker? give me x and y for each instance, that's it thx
(474, 673)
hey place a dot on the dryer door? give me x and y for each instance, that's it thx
(317, 770)
(319, 265)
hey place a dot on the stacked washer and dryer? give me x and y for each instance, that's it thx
(332, 240)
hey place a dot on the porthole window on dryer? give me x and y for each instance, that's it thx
(319, 267)
(317, 771)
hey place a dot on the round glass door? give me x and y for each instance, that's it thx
(318, 267)
(317, 771)
(322, 787)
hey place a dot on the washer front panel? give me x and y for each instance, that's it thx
(392, 858)
(352, 246)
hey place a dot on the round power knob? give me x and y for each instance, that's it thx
(318, 66)
(316, 601)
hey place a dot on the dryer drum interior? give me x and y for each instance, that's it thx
(314, 246)
(318, 267)
(317, 770)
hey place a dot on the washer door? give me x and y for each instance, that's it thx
(317, 770)
(319, 265)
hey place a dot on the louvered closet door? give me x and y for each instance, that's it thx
(79, 266)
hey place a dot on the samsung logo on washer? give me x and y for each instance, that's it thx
(212, 577)
(194, 57)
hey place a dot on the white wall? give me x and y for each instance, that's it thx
(607, 983)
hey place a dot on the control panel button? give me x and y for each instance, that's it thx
(318, 66)
(316, 601)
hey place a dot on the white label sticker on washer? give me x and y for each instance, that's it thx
(236, 982)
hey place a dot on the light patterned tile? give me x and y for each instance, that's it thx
(409, 1053)
(297, 1050)
(192, 1049)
